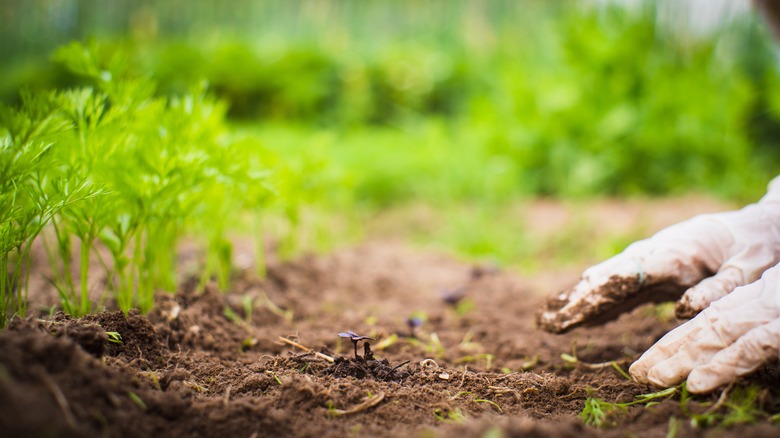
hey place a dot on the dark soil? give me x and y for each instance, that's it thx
(199, 366)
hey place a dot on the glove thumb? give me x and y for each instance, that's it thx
(699, 297)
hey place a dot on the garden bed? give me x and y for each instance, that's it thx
(211, 364)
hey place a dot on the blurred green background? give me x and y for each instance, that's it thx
(470, 108)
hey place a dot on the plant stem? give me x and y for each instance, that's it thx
(135, 271)
(260, 261)
(3, 288)
(85, 306)
(63, 247)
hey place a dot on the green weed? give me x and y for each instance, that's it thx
(455, 415)
(596, 411)
(487, 357)
(738, 405)
(114, 337)
(137, 400)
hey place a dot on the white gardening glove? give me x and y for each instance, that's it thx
(706, 257)
(732, 337)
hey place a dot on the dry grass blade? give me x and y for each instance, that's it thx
(429, 362)
(367, 404)
(226, 398)
(503, 390)
(59, 397)
(724, 396)
(307, 349)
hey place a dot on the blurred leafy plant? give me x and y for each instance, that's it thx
(144, 169)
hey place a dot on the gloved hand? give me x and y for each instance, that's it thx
(731, 338)
(706, 257)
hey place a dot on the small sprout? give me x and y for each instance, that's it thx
(490, 402)
(247, 343)
(248, 303)
(272, 374)
(453, 416)
(453, 296)
(475, 357)
(413, 322)
(114, 337)
(479, 271)
(331, 409)
(597, 410)
(386, 342)
(355, 338)
(569, 358)
(529, 363)
(137, 400)
(620, 370)
(465, 306)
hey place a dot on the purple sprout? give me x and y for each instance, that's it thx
(478, 271)
(453, 296)
(413, 322)
(355, 338)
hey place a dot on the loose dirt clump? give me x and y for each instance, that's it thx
(210, 363)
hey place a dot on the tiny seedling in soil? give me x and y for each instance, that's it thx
(596, 410)
(137, 400)
(452, 416)
(114, 337)
(361, 367)
(355, 338)
(452, 297)
(413, 322)
(456, 298)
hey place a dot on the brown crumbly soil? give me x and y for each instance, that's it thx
(199, 366)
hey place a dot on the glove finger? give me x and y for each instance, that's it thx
(710, 289)
(615, 276)
(657, 269)
(755, 348)
(613, 287)
(721, 330)
(665, 348)
(685, 335)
